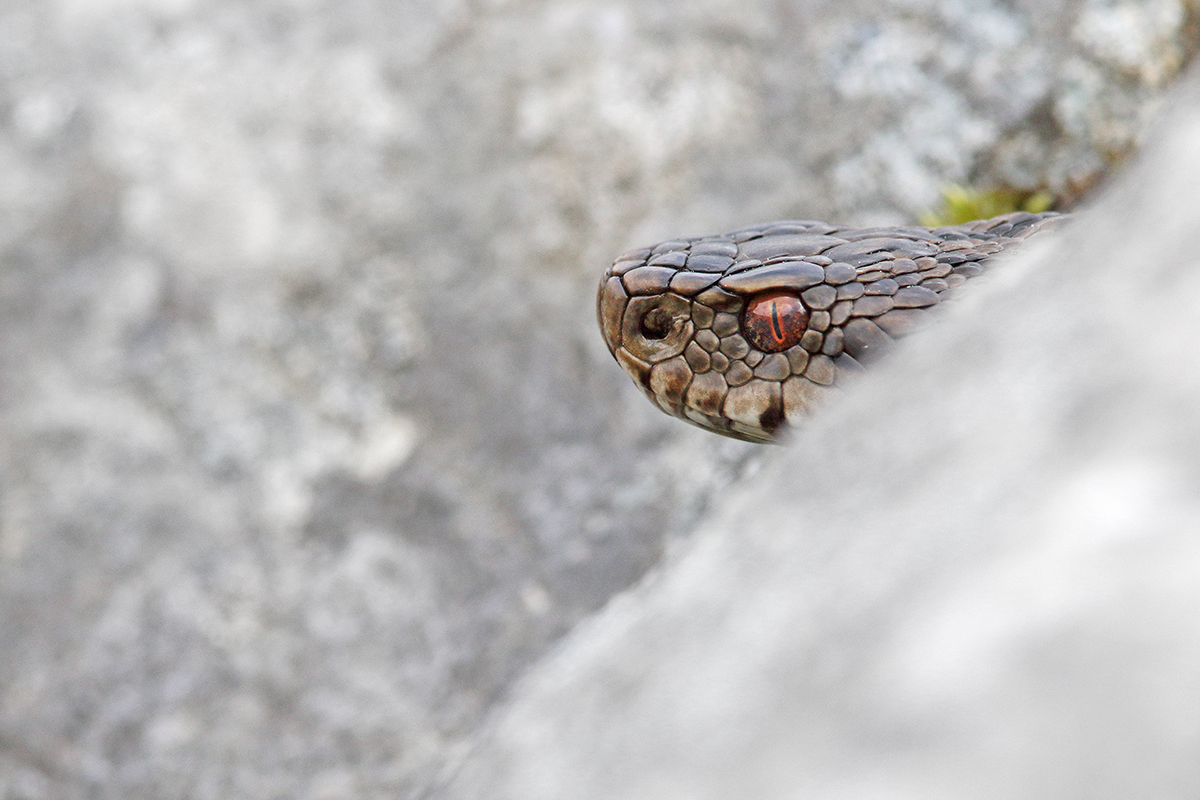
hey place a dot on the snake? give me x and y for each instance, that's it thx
(745, 333)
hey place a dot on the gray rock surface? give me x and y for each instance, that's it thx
(309, 444)
(979, 577)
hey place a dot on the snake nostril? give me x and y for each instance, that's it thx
(656, 323)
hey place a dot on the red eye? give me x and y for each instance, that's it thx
(774, 322)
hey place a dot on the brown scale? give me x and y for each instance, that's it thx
(746, 332)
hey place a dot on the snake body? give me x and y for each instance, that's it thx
(745, 332)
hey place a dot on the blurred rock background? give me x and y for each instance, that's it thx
(308, 445)
(977, 576)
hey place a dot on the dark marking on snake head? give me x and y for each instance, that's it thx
(774, 322)
(772, 419)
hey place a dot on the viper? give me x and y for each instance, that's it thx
(744, 333)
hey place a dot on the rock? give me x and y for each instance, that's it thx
(978, 576)
(311, 446)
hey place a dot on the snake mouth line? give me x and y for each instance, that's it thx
(745, 333)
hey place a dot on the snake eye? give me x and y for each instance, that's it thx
(774, 322)
(656, 323)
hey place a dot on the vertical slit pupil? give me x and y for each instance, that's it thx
(774, 321)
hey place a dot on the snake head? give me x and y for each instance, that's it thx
(747, 332)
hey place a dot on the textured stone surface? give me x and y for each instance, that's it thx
(978, 576)
(310, 443)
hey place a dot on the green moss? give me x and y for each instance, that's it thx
(963, 204)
